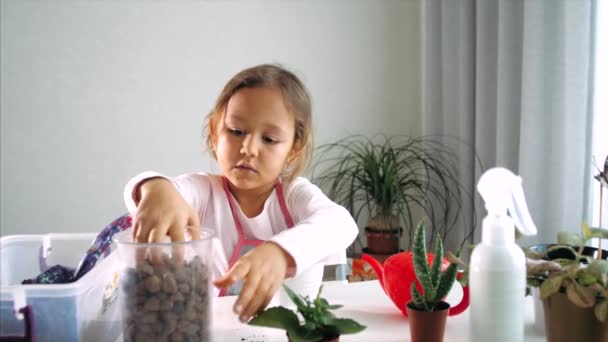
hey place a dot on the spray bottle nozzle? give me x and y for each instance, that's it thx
(502, 191)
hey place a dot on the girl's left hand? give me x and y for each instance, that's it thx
(262, 270)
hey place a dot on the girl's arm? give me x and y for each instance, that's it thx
(162, 206)
(322, 227)
(193, 187)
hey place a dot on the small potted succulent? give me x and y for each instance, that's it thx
(319, 323)
(573, 282)
(427, 312)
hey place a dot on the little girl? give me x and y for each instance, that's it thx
(272, 224)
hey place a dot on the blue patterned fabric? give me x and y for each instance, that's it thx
(59, 274)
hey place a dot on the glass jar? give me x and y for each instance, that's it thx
(165, 288)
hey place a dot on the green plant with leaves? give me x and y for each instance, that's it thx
(580, 239)
(320, 324)
(394, 180)
(435, 283)
(563, 268)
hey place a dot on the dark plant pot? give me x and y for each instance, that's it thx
(427, 326)
(565, 322)
(564, 253)
(382, 241)
(331, 339)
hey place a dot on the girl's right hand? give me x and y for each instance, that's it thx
(163, 211)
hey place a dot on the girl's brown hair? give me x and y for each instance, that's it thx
(296, 99)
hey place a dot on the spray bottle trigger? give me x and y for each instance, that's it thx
(519, 209)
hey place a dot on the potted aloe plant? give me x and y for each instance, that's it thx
(427, 312)
(392, 181)
(319, 323)
(573, 283)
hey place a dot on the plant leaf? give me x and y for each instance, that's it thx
(536, 267)
(319, 294)
(326, 319)
(446, 282)
(598, 233)
(277, 317)
(586, 231)
(437, 262)
(535, 281)
(303, 335)
(599, 269)
(562, 248)
(347, 326)
(551, 286)
(453, 259)
(568, 263)
(593, 232)
(587, 279)
(416, 296)
(569, 238)
(421, 266)
(599, 289)
(581, 296)
(296, 298)
(464, 279)
(601, 310)
(533, 255)
(325, 304)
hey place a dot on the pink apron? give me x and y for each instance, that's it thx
(244, 245)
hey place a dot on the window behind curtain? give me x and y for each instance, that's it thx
(600, 124)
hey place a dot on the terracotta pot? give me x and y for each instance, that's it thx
(565, 322)
(382, 241)
(428, 326)
(335, 339)
(383, 233)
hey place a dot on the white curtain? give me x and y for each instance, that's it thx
(513, 79)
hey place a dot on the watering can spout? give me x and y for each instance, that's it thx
(377, 267)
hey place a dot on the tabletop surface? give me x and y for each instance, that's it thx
(364, 302)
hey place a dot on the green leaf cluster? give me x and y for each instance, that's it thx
(435, 283)
(398, 175)
(578, 239)
(319, 323)
(584, 279)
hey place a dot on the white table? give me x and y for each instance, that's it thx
(364, 302)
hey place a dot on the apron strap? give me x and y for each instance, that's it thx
(239, 228)
(288, 219)
(241, 237)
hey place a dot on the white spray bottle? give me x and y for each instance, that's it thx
(497, 280)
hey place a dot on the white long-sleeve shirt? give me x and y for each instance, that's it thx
(322, 228)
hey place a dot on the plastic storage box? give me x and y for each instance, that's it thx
(86, 310)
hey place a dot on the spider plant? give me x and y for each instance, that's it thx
(393, 180)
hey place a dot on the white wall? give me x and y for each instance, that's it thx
(93, 92)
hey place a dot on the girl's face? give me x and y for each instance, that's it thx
(255, 138)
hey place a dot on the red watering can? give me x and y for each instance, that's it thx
(397, 275)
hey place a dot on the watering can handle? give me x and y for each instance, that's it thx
(377, 267)
(464, 302)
